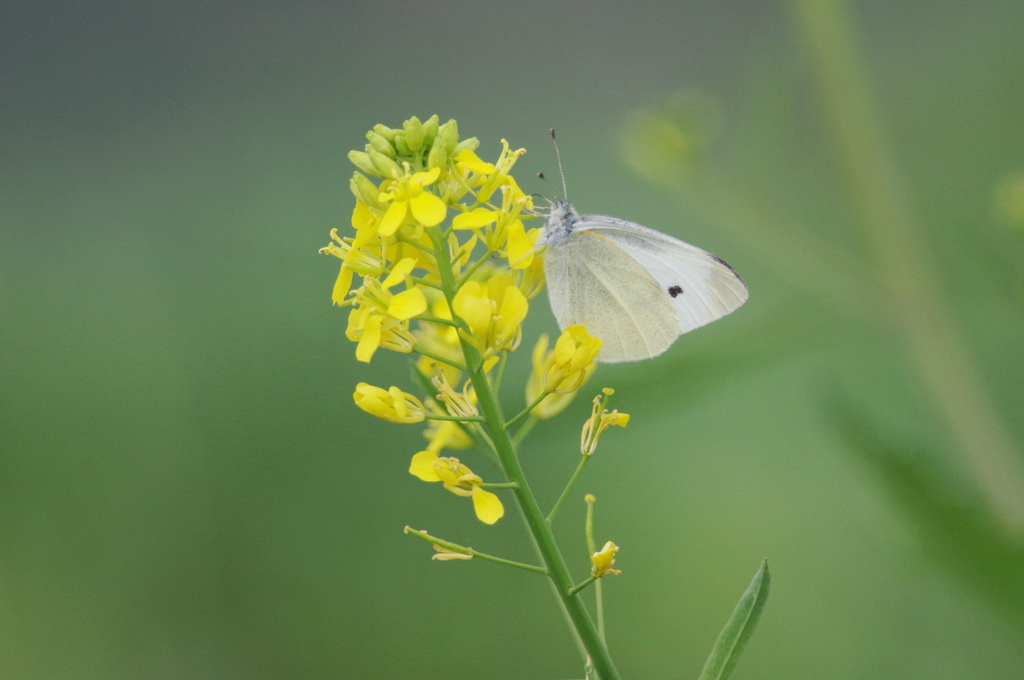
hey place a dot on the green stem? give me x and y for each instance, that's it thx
(903, 263)
(525, 412)
(428, 284)
(557, 569)
(437, 319)
(565, 491)
(592, 548)
(476, 265)
(460, 419)
(462, 550)
(440, 359)
(581, 586)
(501, 370)
(498, 485)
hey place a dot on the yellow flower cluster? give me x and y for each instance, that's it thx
(441, 264)
(427, 173)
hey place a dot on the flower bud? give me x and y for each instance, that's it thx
(438, 156)
(402, 144)
(385, 166)
(430, 130)
(362, 161)
(381, 144)
(414, 134)
(448, 136)
(472, 144)
(365, 190)
(385, 132)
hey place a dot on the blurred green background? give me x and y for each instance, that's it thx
(188, 491)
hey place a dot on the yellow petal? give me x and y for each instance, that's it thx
(427, 208)
(393, 218)
(468, 160)
(361, 216)
(398, 402)
(513, 310)
(399, 272)
(370, 340)
(370, 398)
(488, 506)
(519, 247)
(474, 219)
(407, 304)
(424, 466)
(342, 285)
(425, 178)
(474, 308)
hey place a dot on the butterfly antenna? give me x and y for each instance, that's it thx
(565, 191)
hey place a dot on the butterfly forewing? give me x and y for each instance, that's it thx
(594, 282)
(700, 286)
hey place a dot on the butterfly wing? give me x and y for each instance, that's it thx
(700, 286)
(593, 281)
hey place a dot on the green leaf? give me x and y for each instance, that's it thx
(738, 629)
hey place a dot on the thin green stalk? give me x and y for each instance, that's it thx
(565, 491)
(461, 419)
(463, 550)
(904, 264)
(472, 269)
(558, 571)
(502, 362)
(525, 412)
(436, 319)
(592, 548)
(440, 359)
(577, 588)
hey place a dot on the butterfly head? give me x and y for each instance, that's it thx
(559, 223)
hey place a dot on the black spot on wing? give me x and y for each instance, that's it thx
(675, 291)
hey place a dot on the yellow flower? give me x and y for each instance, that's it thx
(604, 559)
(460, 480)
(459, 405)
(378, 310)
(500, 174)
(599, 421)
(360, 254)
(493, 310)
(392, 405)
(573, 360)
(562, 371)
(408, 198)
(553, 404)
(372, 329)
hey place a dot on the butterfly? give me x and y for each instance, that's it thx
(635, 288)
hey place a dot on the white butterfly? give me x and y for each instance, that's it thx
(635, 288)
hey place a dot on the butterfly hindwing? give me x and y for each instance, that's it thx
(700, 286)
